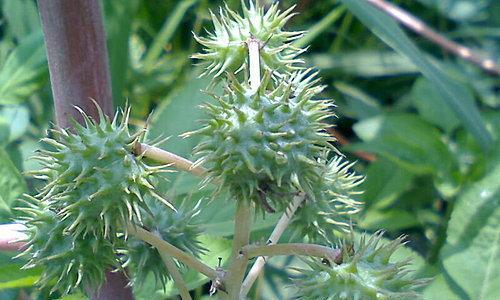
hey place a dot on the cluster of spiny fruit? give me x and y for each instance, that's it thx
(264, 144)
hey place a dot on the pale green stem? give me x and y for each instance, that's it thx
(243, 216)
(166, 33)
(282, 224)
(242, 227)
(324, 24)
(254, 62)
(180, 284)
(169, 249)
(165, 157)
(331, 254)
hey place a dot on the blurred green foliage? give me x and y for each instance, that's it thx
(430, 120)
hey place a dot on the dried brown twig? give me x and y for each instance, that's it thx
(422, 29)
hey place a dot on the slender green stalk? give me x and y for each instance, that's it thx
(166, 32)
(441, 233)
(320, 27)
(292, 249)
(180, 284)
(242, 228)
(165, 157)
(243, 216)
(254, 63)
(282, 224)
(171, 250)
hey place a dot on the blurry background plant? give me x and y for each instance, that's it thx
(423, 124)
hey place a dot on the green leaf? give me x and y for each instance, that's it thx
(431, 105)
(166, 33)
(439, 290)
(324, 24)
(384, 183)
(75, 297)
(4, 131)
(471, 255)
(118, 33)
(12, 276)
(22, 17)
(359, 104)
(391, 220)
(459, 10)
(17, 119)
(455, 95)
(12, 184)
(365, 63)
(407, 141)
(20, 74)
(180, 113)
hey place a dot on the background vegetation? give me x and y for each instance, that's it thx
(424, 125)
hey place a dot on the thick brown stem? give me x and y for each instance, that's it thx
(79, 72)
(77, 57)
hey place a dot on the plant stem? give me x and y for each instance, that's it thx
(171, 250)
(242, 228)
(433, 256)
(77, 58)
(421, 28)
(166, 157)
(79, 72)
(166, 33)
(282, 224)
(254, 62)
(292, 249)
(11, 236)
(324, 24)
(176, 276)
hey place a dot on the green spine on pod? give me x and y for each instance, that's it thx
(329, 213)
(266, 143)
(225, 48)
(95, 179)
(96, 186)
(365, 271)
(68, 262)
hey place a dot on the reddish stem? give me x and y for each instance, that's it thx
(79, 71)
(77, 57)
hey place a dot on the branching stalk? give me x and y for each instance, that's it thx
(171, 250)
(292, 249)
(254, 62)
(242, 228)
(243, 216)
(166, 157)
(421, 28)
(10, 236)
(176, 276)
(282, 224)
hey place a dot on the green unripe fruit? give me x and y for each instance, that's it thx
(179, 228)
(225, 48)
(68, 262)
(94, 178)
(265, 143)
(331, 210)
(365, 271)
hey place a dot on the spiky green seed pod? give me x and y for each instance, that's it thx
(364, 272)
(94, 178)
(225, 48)
(262, 145)
(68, 262)
(179, 228)
(330, 212)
